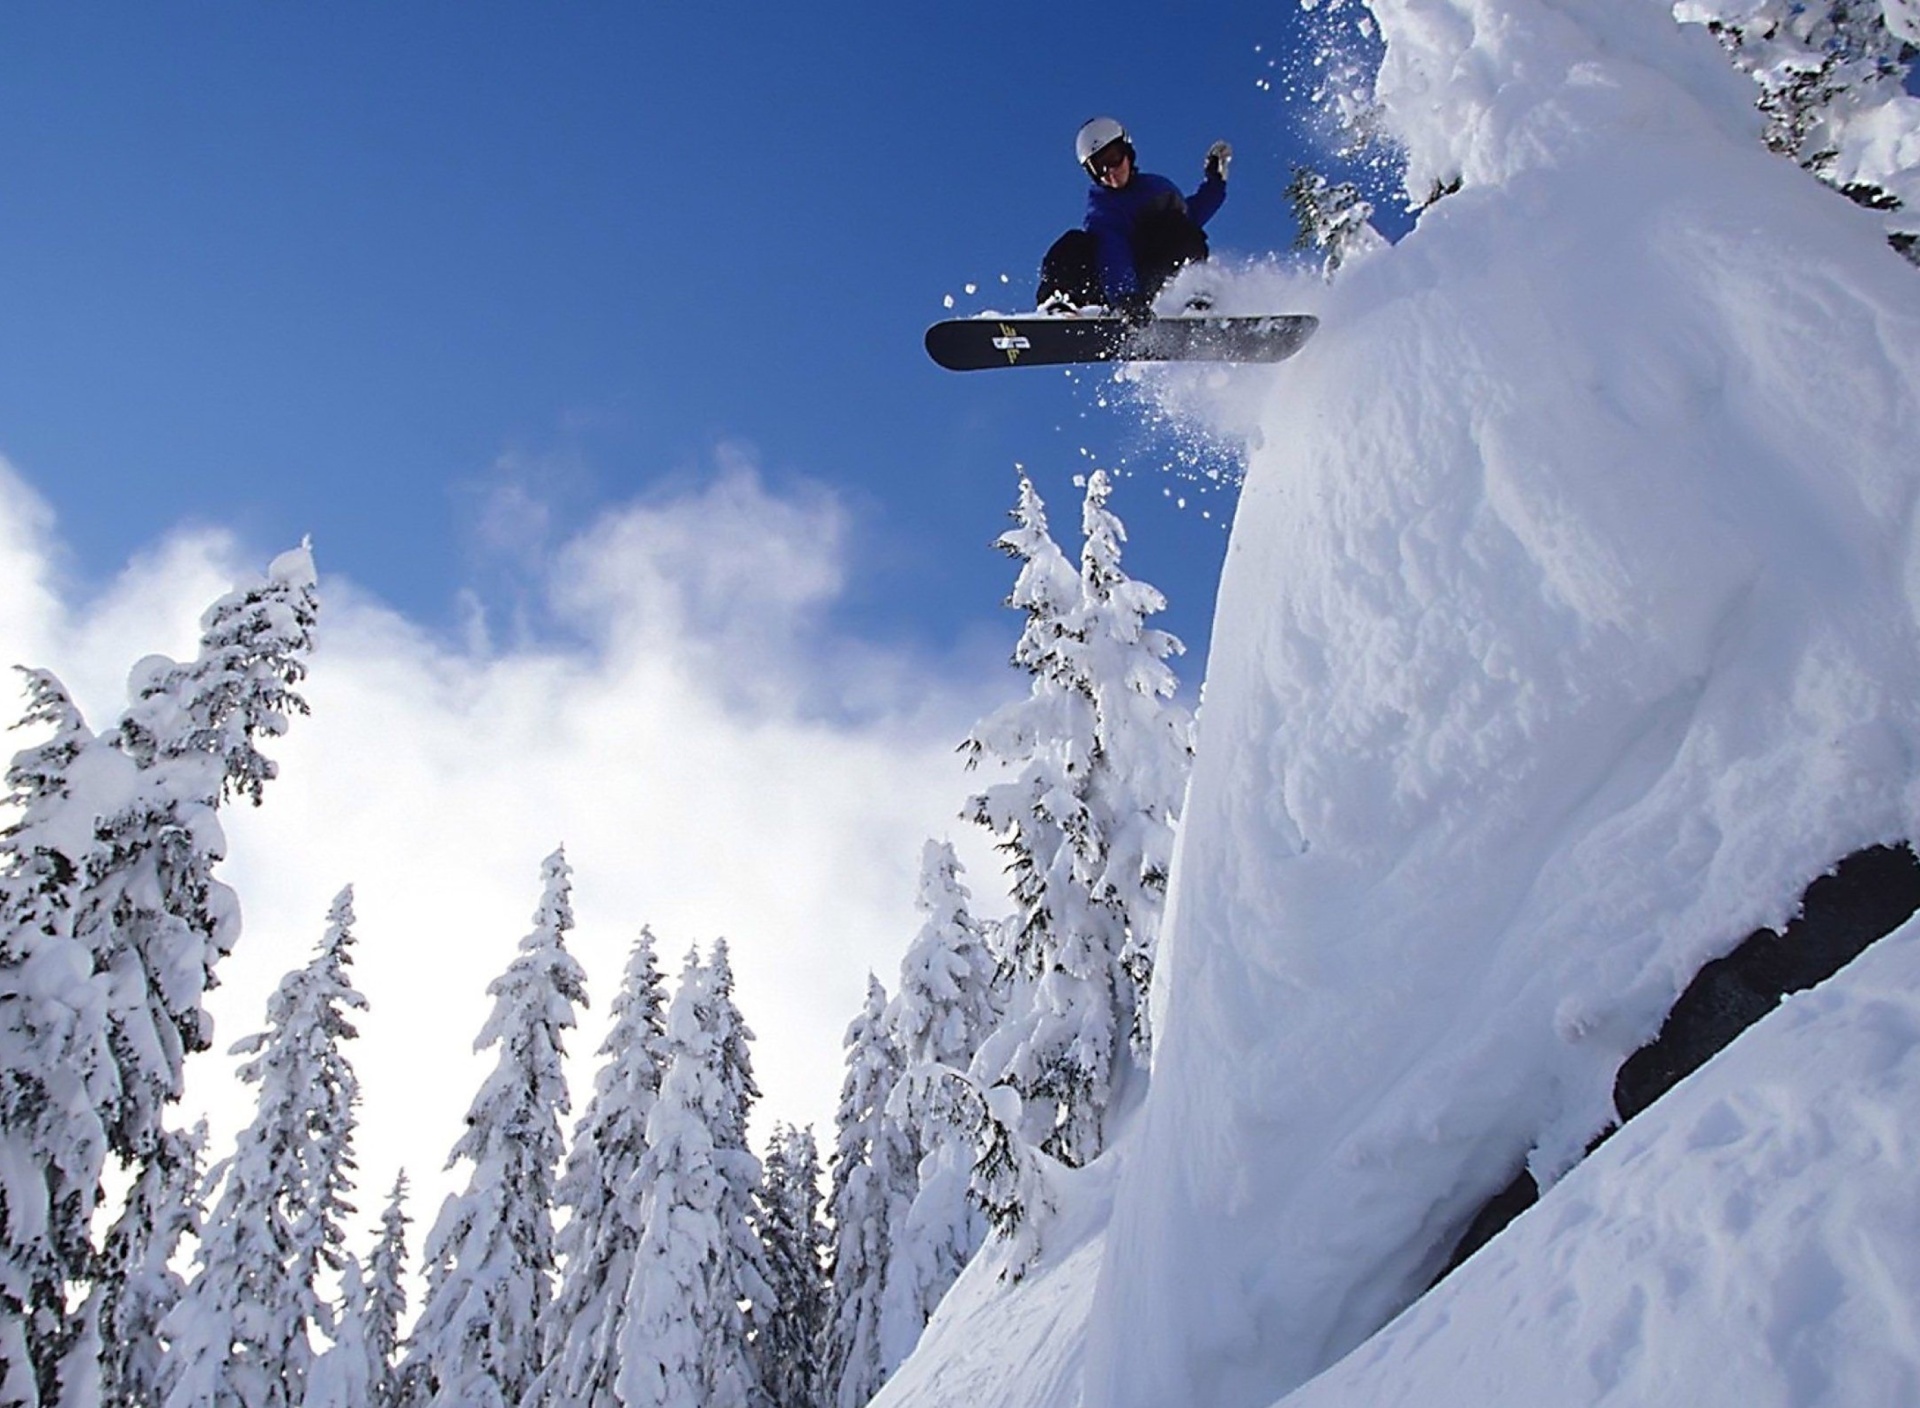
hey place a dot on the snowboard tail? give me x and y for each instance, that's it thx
(979, 344)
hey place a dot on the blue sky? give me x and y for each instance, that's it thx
(354, 270)
(492, 300)
(447, 286)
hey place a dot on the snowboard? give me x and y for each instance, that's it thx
(977, 344)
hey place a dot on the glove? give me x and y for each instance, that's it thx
(1218, 155)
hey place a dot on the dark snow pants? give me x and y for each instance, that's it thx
(1163, 242)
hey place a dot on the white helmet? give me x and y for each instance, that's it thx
(1097, 134)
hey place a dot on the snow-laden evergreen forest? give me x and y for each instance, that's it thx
(1500, 993)
(643, 1253)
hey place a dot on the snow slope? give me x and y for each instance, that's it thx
(1753, 1239)
(1002, 1338)
(1567, 631)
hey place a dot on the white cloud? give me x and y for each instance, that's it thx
(717, 760)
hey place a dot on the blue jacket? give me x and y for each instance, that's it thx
(1111, 216)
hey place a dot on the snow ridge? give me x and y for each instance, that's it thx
(1567, 632)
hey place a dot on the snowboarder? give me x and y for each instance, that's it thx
(1139, 229)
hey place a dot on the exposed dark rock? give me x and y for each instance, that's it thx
(1503, 1207)
(1865, 897)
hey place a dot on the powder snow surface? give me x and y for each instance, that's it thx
(1753, 1239)
(1568, 630)
(1006, 1338)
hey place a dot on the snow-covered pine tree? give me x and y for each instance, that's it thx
(357, 1369)
(602, 1190)
(38, 847)
(787, 1219)
(342, 1375)
(1086, 837)
(151, 915)
(1045, 741)
(732, 1038)
(948, 1001)
(875, 1175)
(386, 1303)
(57, 1073)
(137, 1286)
(787, 1346)
(238, 1336)
(1044, 746)
(1008, 1181)
(113, 924)
(1334, 219)
(489, 1258)
(746, 1259)
(699, 1281)
(949, 997)
(1832, 77)
(1145, 752)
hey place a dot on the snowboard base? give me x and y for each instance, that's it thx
(980, 344)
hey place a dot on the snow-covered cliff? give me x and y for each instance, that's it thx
(1568, 630)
